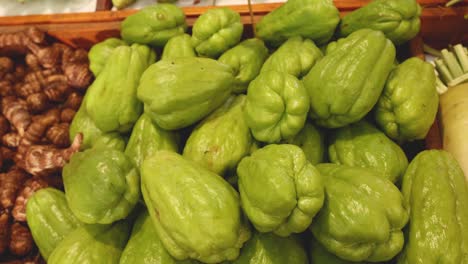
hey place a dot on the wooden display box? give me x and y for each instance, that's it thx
(440, 26)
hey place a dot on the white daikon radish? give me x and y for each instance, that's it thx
(454, 122)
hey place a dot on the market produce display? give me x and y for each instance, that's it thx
(196, 145)
(42, 84)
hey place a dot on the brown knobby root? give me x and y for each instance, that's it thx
(30, 187)
(21, 241)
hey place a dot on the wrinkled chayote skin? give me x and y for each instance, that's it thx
(110, 140)
(267, 248)
(179, 92)
(312, 141)
(101, 185)
(408, 105)
(122, 3)
(145, 247)
(312, 19)
(83, 124)
(318, 254)
(49, 219)
(222, 139)
(346, 84)
(296, 57)
(111, 100)
(277, 106)
(215, 31)
(280, 190)
(397, 19)
(92, 244)
(154, 25)
(363, 214)
(179, 46)
(146, 139)
(362, 145)
(196, 213)
(246, 59)
(435, 189)
(100, 52)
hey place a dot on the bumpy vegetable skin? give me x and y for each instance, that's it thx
(221, 140)
(246, 59)
(182, 197)
(146, 139)
(179, 92)
(92, 244)
(280, 190)
(408, 105)
(154, 25)
(312, 141)
(397, 19)
(111, 100)
(362, 145)
(215, 31)
(277, 106)
(267, 248)
(437, 193)
(100, 52)
(179, 46)
(49, 219)
(296, 56)
(145, 247)
(345, 85)
(101, 185)
(362, 216)
(313, 19)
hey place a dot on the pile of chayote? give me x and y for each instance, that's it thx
(280, 149)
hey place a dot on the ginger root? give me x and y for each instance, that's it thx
(21, 241)
(39, 126)
(6, 66)
(4, 126)
(46, 159)
(15, 110)
(38, 102)
(11, 140)
(4, 231)
(58, 134)
(11, 182)
(67, 115)
(73, 101)
(30, 187)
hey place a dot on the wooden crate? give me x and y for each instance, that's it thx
(440, 26)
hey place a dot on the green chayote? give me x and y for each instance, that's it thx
(110, 140)
(101, 185)
(362, 145)
(296, 57)
(215, 31)
(221, 140)
(436, 190)
(122, 3)
(83, 124)
(145, 247)
(196, 212)
(154, 25)
(397, 19)
(179, 92)
(312, 141)
(179, 46)
(408, 105)
(100, 52)
(111, 100)
(318, 254)
(280, 190)
(49, 219)
(92, 244)
(277, 106)
(268, 248)
(362, 216)
(313, 19)
(246, 59)
(345, 84)
(92, 135)
(146, 139)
